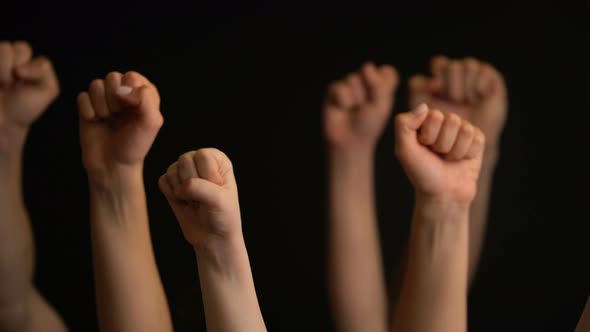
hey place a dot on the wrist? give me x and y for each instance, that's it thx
(222, 255)
(12, 139)
(490, 157)
(351, 153)
(356, 161)
(441, 209)
(116, 178)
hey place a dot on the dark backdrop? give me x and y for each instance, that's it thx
(249, 79)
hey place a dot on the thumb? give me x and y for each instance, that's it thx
(145, 96)
(201, 191)
(412, 120)
(38, 71)
(143, 100)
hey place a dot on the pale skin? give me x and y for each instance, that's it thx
(442, 156)
(355, 114)
(201, 190)
(476, 91)
(119, 120)
(352, 126)
(27, 86)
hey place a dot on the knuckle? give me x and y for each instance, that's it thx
(437, 115)
(95, 85)
(454, 120)
(111, 76)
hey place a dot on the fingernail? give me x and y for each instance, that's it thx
(124, 90)
(420, 109)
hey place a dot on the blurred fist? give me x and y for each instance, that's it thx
(27, 85)
(472, 89)
(119, 120)
(440, 153)
(203, 194)
(357, 108)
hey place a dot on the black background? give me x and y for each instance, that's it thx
(250, 78)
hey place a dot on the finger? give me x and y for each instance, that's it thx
(340, 95)
(448, 133)
(492, 81)
(201, 191)
(173, 176)
(390, 77)
(357, 89)
(471, 69)
(484, 80)
(406, 124)
(85, 108)
(462, 143)
(6, 63)
(208, 165)
(438, 66)
(477, 145)
(165, 187)
(418, 90)
(134, 79)
(39, 72)
(98, 99)
(431, 127)
(186, 167)
(22, 53)
(456, 81)
(112, 82)
(372, 82)
(145, 101)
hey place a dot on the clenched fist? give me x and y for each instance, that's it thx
(203, 194)
(119, 120)
(357, 108)
(470, 88)
(440, 152)
(27, 86)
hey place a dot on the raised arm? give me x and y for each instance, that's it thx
(202, 191)
(356, 112)
(119, 120)
(475, 91)
(441, 154)
(27, 87)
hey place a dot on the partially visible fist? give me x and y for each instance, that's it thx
(472, 89)
(203, 194)
(357, 108)
(119, 120)
(440, 153)
(27, 85)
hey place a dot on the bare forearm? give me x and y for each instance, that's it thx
(478, 216)
(229, 295)
(357, 285)
(16, 238)
(434, 292)
(129, 291)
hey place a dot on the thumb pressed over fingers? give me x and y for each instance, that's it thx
(38, 71)
(200, 190)
(411, 121)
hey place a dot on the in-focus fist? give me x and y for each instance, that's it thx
(357, 108)
(470, 88)
(440, 153)
(27, 85)
(119, 120)
(202, 192)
